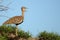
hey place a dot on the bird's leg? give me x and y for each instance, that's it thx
(16, 30)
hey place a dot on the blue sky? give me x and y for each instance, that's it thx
(41, 15)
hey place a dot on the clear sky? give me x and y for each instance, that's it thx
(41, 15)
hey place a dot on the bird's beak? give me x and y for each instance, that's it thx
(25, 9)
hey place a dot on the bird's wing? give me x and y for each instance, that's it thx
(14, 20)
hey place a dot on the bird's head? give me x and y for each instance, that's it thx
(23, 9)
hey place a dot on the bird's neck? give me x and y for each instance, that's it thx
(23, 15)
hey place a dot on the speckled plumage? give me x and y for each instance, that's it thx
(14, 20)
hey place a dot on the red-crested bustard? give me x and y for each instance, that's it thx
(16, 19)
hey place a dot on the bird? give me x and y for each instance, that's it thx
(16, 19)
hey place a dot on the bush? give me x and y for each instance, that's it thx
(48, 36)
(5, 30)
(3, 38)
(23, 34)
